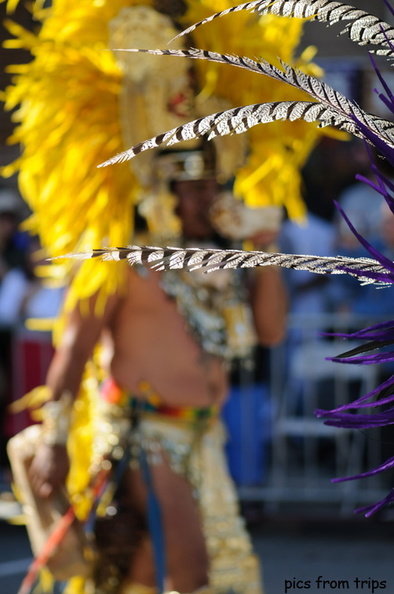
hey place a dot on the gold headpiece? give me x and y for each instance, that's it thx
(189, 165)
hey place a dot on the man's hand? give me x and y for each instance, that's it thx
(234, 220)
(48, 470)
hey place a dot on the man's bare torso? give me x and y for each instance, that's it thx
(151, 343)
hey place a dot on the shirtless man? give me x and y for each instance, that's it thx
(152, 344)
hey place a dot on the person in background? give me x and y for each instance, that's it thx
(369, 213)
(14, 281)
(309, 292)
(15, 271)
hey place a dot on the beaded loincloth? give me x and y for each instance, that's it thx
(192, 440)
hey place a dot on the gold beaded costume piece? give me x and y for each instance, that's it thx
(78, 105)
(192, 441)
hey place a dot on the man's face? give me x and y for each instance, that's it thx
(195, 199)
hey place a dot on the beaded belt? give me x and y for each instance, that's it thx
(112, 393)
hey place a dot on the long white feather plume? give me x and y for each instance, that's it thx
(328, 108)
(364, 28)
(176, 258)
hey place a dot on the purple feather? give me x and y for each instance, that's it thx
(371, 509)
(378, 335)
(387, 465)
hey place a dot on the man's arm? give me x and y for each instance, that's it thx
(269, 304)
(268, 296)
(83, 330)
(50, 465)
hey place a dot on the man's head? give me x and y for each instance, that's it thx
(195, 198)
(192, 179)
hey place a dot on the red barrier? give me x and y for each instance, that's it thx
(31, 354)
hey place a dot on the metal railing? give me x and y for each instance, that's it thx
(303, 453)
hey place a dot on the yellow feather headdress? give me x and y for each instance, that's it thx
(71, 116)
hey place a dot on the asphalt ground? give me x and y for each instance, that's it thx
(302, 550)
(311, 554)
